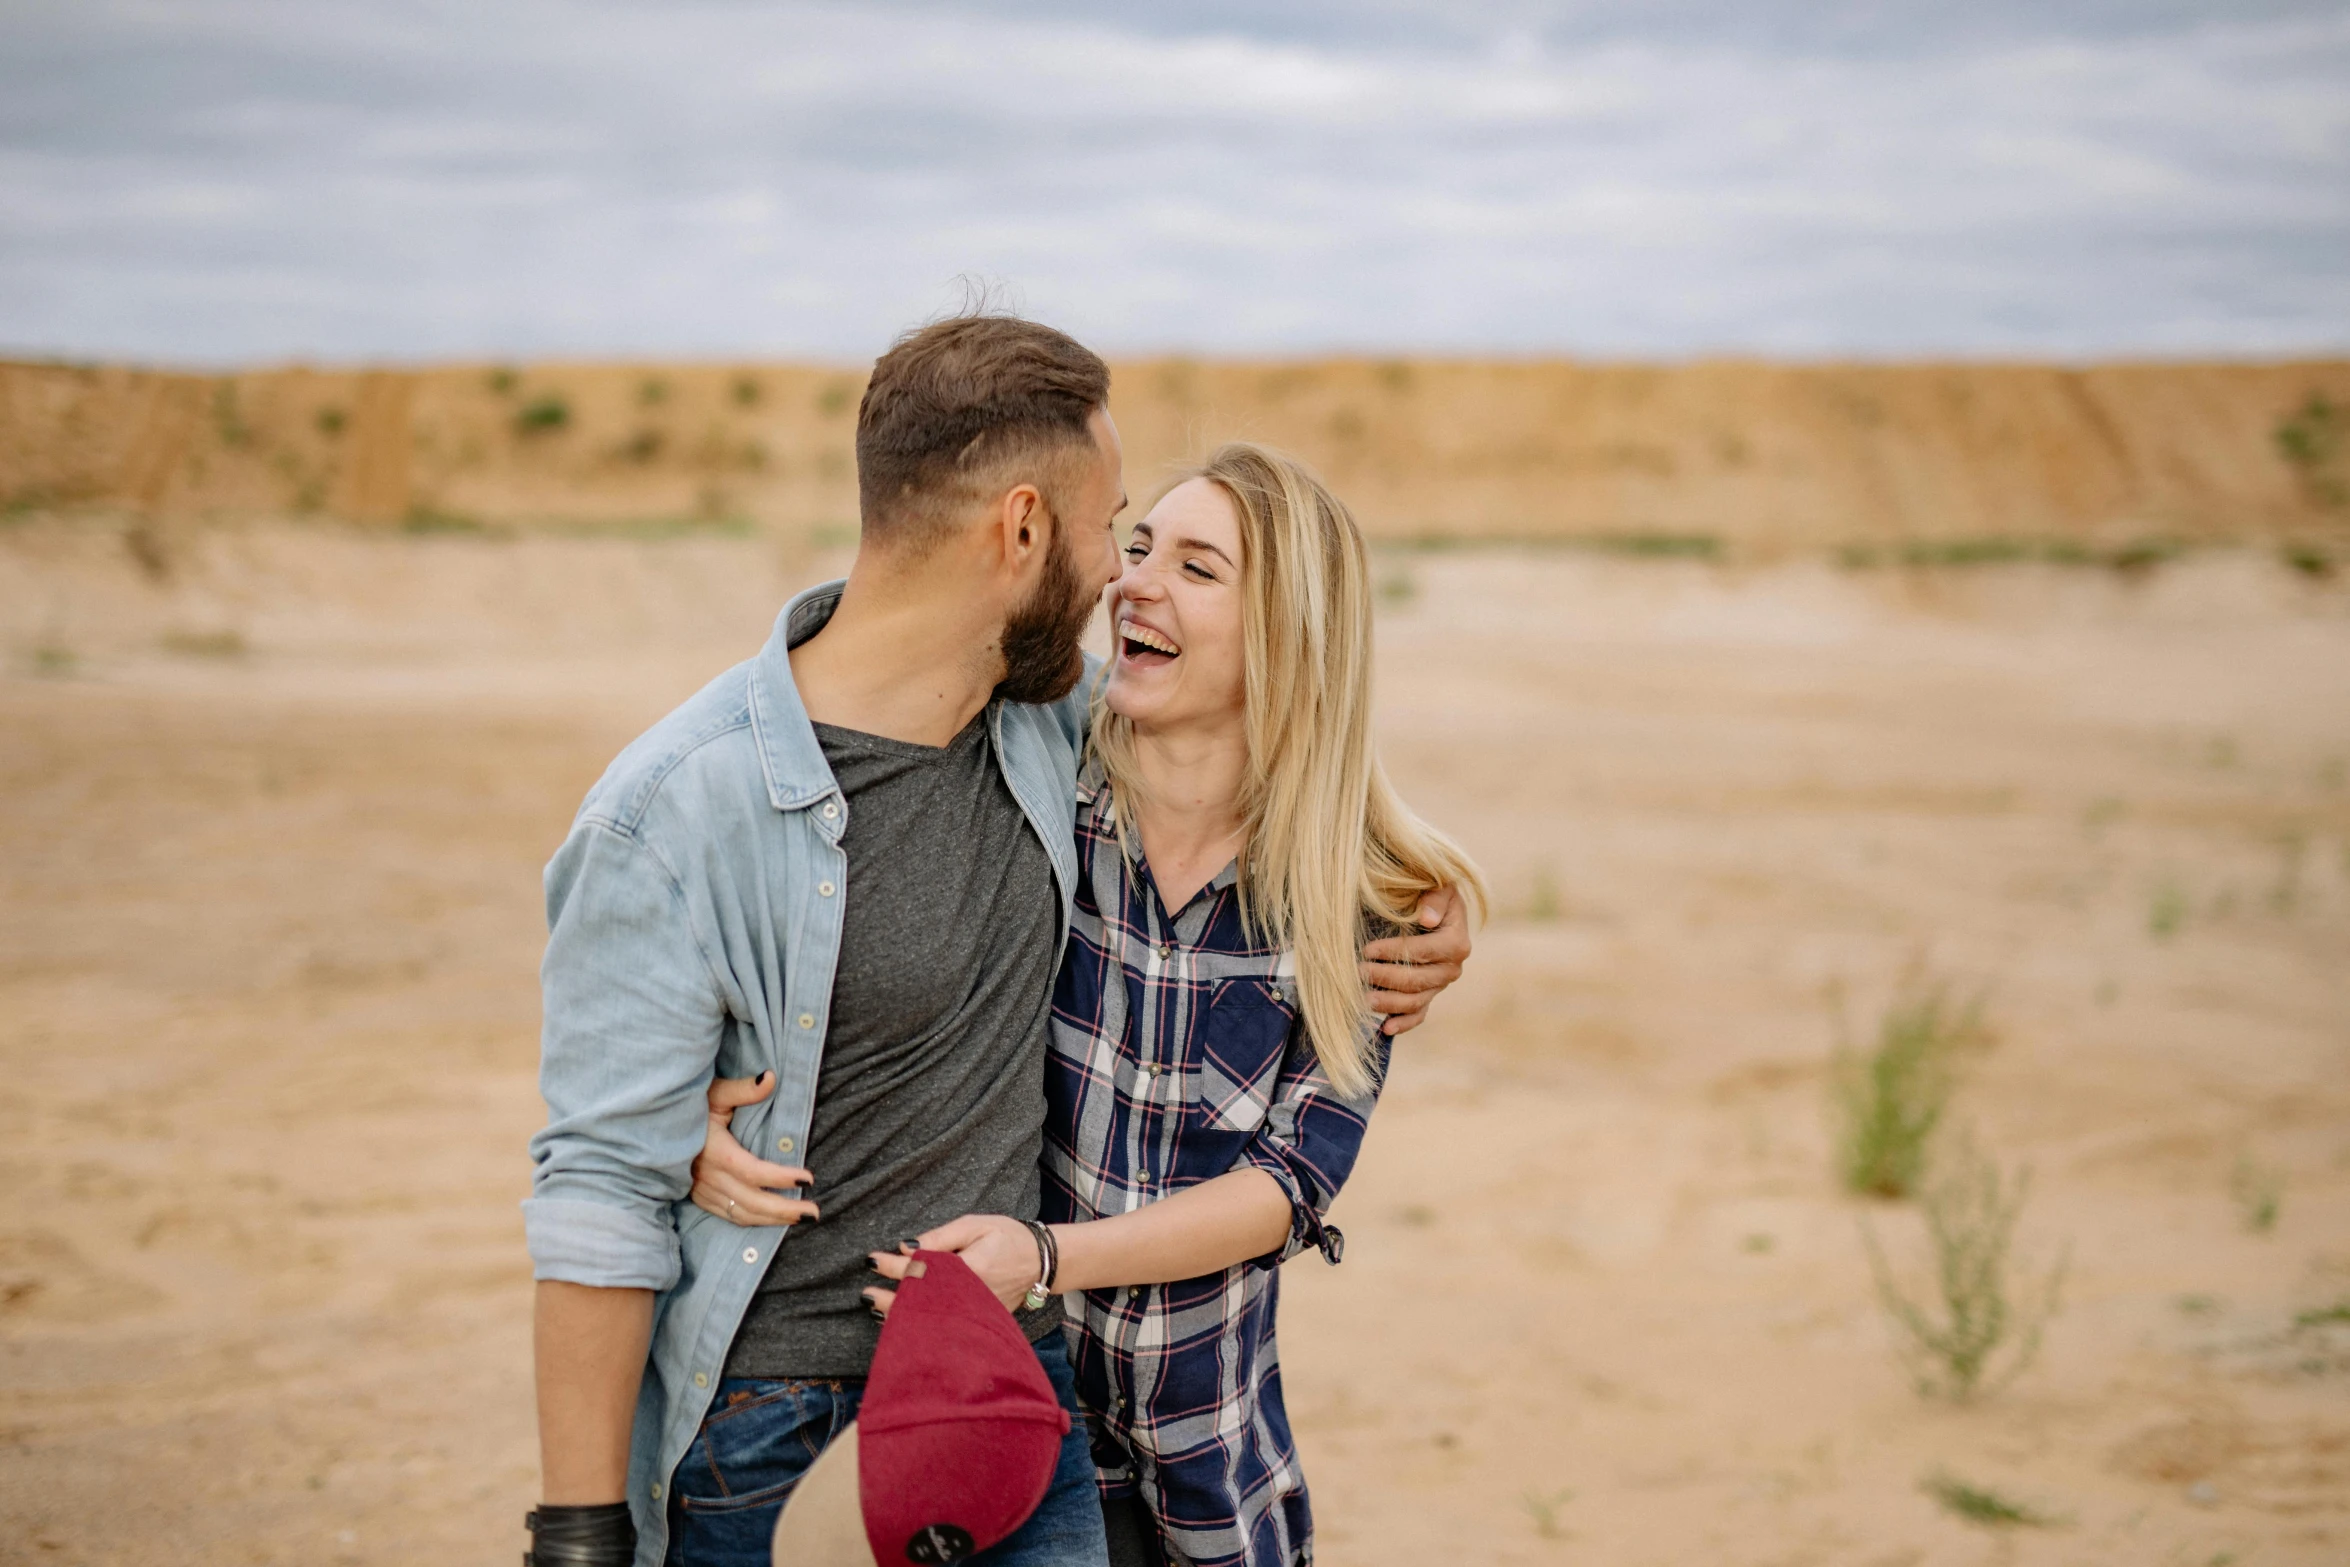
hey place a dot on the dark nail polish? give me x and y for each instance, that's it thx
(910, 1245)
(879, 1315)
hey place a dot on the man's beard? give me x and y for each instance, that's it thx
(1044, 639)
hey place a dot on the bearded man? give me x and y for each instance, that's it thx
(843, 870)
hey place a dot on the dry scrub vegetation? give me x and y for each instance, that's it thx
(274, 798)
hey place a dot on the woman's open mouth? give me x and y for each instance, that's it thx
(1144, 647)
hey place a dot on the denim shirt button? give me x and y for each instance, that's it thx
(783, 1145)
(750, 1254)
(701, 1379)
(831, 810)
(824, 889)
(807, 1020)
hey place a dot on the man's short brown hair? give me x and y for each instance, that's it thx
(958, 408)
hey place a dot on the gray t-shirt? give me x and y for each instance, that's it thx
(930, 1103)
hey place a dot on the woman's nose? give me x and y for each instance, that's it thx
(1138, 582)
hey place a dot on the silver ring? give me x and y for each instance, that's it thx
(730, 1207)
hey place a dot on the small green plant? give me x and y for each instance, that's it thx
(1994, 551)
(746, 391)
(652, 391)
(1655, 546)
(503, 380)
(542, 415)
(833, 400)
(2166, 914)
(1543, 903)
(2312, 440)
(1398, 586)
(2284, 893)
(331, 421)
(227, 420)
(27, 502)
(643, 446)
(1891, 1098)
(2314, 561)
(205, 644)
(422, 518)
(2100, 814)
(2259, 1194)
(1983, 1329)
(2323, 1316)
(1543, 1508)
(1980, 1504)
(2004, 550)
(143, 541)
(2143, 555)
(55, 660)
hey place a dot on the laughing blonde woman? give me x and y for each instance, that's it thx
(1213, 1065)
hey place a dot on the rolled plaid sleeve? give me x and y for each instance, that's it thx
(1309, 1142)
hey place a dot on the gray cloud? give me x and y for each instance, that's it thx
(230, 181)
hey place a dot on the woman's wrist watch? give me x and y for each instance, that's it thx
(1048, 1265)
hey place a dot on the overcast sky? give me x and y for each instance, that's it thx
(240, 180)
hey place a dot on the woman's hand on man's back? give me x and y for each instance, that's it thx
(1405, 973)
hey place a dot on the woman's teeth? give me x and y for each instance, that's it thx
(1142, 638)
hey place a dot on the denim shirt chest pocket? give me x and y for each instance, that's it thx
(1242, 1036)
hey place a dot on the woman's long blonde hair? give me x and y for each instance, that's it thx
(1329, 852)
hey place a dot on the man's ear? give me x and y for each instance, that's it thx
(1022, 517)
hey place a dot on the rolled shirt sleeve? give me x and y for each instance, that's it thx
(633, 1019)
(1308, 1144)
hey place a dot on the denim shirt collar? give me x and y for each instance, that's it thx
(797, 774)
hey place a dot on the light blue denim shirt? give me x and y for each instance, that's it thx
(694, 918)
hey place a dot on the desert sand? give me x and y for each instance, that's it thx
(273, 804)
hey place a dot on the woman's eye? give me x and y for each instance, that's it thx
(1199, 571)
(1136, 551)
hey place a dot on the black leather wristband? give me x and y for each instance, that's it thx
(581, 1537)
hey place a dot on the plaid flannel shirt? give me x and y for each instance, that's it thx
(1178, 1055)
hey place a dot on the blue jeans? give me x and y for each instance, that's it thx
(760, 1437)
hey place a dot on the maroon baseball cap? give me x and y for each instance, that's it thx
(954, 1446)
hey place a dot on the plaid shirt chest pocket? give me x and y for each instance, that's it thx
(1242, 1037)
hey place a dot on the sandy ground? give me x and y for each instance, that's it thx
(269, 923)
